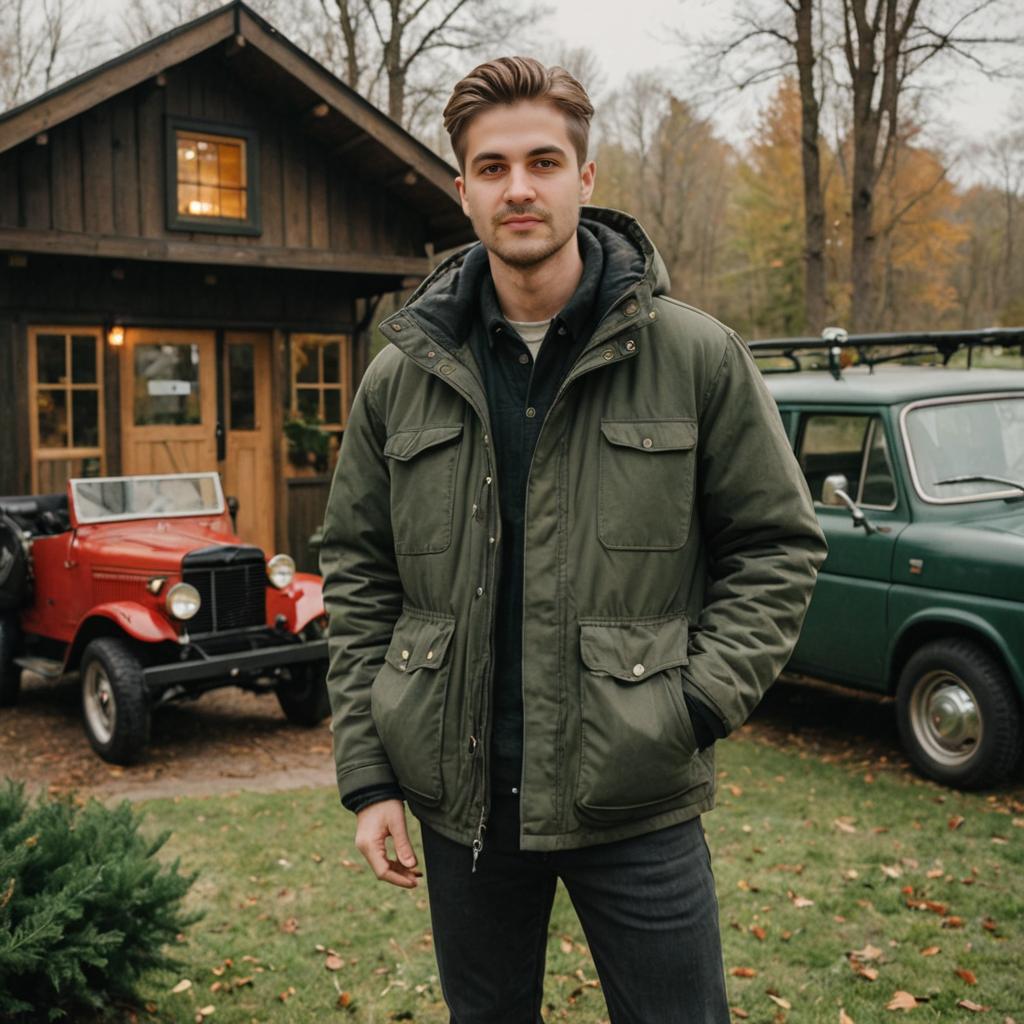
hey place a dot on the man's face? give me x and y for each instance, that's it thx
(522, 186)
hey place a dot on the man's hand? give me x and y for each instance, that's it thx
(373, 825)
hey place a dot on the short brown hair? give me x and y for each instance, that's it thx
(508, 80)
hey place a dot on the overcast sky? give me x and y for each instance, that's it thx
(638, 35)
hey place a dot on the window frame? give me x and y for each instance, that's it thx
(876, 420)
(38, 454)
(344, 385)
(252, 224)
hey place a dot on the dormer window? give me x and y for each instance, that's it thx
(211, 178)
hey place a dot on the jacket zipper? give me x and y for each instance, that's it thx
(559, 395)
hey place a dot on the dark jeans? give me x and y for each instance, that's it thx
(647, 906)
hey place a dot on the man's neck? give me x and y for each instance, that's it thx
(533, 294)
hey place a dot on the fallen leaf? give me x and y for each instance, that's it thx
(930, 951)
(738, 1013)
(183, 986)
(901, 1001)
(242, 982)
(871, 973)
(758, 932)
(989, 925)
(956, 821)
(334, 963)
(205, 1011)
(735, 790)
(566, 945)
(286, 994)
(779, 1001)
(845, 825)
(967, 1004)
(743, 972)
(953, 922)
(935, 873)
(869, 952)
(844, 1017)
(291, 925)
(344, 998)
(966, 975)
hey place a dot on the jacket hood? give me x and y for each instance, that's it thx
(447, 298)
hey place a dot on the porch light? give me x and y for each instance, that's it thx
(116, 335)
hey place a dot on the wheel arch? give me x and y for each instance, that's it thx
(124, 620)
(929, 626)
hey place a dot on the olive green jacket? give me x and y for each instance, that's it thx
(670, 545)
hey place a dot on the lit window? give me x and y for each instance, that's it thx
(211, 179)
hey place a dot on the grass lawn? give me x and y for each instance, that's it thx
(838, 889)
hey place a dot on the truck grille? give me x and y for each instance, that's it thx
(232, 585)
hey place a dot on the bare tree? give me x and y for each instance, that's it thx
(40, 45)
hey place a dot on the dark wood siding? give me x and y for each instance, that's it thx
(103, 173)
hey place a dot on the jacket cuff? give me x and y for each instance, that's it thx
(361, 798)
(380, 774)
(707, 726)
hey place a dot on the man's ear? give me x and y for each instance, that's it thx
(587, 175)
(460, 184)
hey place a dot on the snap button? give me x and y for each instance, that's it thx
(405, 655)
(653, 315)
(487, 480)
(430, 655)
(485, 439)
(479, 591)
(531, 412)
(524, 358)
(561, 330)
(446, 368)
(647, 442)
(630, 308)
(490, 540)
(638, 670)
(396, 327)
(630, 345)
(431, 354)
(607, 354)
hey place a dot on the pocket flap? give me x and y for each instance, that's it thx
(406, 444)
(419, 641)
(651, 435)
(632, 651)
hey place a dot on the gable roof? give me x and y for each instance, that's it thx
(261, 55)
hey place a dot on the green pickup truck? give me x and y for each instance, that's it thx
(917, 472)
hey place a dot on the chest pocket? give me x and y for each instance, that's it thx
(646, 475)
(423, 461)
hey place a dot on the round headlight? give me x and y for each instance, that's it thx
(183, 600)
(281, 570)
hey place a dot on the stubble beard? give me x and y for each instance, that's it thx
(530, 255)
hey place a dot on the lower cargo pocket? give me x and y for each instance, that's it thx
(637, 740)
(407, 701)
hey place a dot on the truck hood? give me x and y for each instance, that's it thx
(152, 545)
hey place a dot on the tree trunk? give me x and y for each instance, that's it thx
(810, 151)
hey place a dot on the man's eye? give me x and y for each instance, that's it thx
(491, 169)
(545, 164)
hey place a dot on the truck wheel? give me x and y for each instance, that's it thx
(958, 714)
(115, 707)
(10, 674)
(303, 695)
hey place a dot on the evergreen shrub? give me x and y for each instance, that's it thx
(85, 907)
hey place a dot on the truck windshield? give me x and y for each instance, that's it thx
(979, 438)
(138, 497)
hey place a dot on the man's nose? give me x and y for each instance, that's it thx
(518, 186)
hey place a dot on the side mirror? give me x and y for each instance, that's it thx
(834, 489)
(232, 503)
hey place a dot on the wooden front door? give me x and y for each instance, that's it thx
(248, 471)
(168, 401)
(177, 401)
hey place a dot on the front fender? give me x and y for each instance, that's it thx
(1000, 622)
(127, 617)
(300, 602)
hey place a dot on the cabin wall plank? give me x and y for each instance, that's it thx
(124, 141)
(98, 171)
(34, 186)
(66, 166)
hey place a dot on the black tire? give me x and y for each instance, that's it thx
(303, 695)
(958, 714)
(13, 565)
(115, 707)
(10, 674)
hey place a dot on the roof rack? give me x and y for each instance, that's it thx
(834, 341)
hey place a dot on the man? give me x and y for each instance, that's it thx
(566, 548)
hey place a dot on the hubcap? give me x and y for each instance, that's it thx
(99, 702)
(945, 718)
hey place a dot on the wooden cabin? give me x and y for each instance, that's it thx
(193, 240)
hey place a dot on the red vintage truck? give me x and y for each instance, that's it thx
(141, 586)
